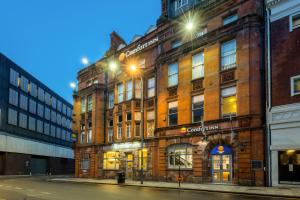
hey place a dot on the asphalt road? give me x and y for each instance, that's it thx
(40, 189)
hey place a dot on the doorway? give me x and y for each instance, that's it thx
(221, 158)
(2, 160)
(289, 167)
(129, 166)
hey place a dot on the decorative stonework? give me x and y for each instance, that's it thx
(289, 113)
(272, 2)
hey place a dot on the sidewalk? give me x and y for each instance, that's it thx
(283, 191)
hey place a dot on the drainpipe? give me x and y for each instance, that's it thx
(268, 103)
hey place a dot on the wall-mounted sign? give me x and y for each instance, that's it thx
(221, 150)
(199, 129)
(140, 47)
(123, 146)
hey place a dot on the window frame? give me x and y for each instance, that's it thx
(151, 87)
(198, 65)
(129, 90)
(231, 65)
(292, 28)
(293, 93)
(182, 4)
(173, 75)
(120, 89)
(111, 99)
(172, 113)
(227, 96)
(171, 151)
(230, 18)
(197, 109)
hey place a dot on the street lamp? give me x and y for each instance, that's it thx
(133, 69)
(73, 86)
(85, 61)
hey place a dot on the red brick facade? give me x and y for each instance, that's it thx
(242, 134)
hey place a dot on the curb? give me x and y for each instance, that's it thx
(176, 188)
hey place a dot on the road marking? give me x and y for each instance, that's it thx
(46, 193)
(18, 188)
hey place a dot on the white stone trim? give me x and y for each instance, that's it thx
(281, 147)
(285, 114)
(13, 144)
(283, 9)
(294, 77)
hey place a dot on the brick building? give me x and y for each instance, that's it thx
(200, 73)
(284, 91)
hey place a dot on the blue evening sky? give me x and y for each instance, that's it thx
(48, 37)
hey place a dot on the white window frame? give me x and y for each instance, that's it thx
(199, 66)
(229, 19)
(194, 101)
(120, 89)
(151, 87)
(293, 93)
(119, 135)
(228, 54)
(173, 75)
(129, 89)
(291, 21)
(179, 4)
(111, 101)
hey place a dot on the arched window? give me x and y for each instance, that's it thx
(180, 155)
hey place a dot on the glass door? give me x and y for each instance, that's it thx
(221, 168)
(129, 165)
(289, 167)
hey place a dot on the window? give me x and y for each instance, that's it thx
(53, 131)
(63, 134)
(32, 106)
(111, 98)
(228, 54)
(173, 75)
(294, 21)
(24, 84)
(137, 129)
(33, 90)
(47, 99)
(53, 102)
(40, 110)
(173, 115)
(53, 116)
(14, 77)
(90, 103)
(64, 109)
(151, 87)
(58, 132)
(120, 93)
(230, 19)
(41, 95)
(82, 133)
(47, 113)
(142, 63)
(23, 102)
(295, 85)
(46, 129)
(85, 161)
(39, 127)
(58, 119)
(12, 117)
(128, 90)
(197, 108)
(119, 132)
(143, 155)
(89, 136)
(31, 123)
(198, 66)
(229, 104)
(180, 155)
(59, 105)
(138, 89)
(111, 160)
(179, 4)
(110, 131)
(150, 123)
(83, 105)
(176, 43)
(13, 97)
(22, 120)
(128, 130)
(201, 32)
(128, 117)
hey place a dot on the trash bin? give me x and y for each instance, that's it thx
(121, 177)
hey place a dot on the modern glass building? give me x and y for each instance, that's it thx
(35, 125)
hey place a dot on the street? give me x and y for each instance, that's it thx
(37, 188)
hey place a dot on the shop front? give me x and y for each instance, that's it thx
(289, 166)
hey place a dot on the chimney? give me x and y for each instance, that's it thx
(115, 41)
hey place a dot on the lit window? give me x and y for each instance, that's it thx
(150, 123)
(180, 155)
(173, 74)
(295, 85)
(85, 161)
(230, 19)
(198, 66)
(111, 100)
(90, 103)
(173, 115)
(143, 155)
(229, 102)
(138, 89)
(228, 55)
(128, 90)
(151, 87)
(120, 93)
(83, 105)
(197, 108)
(111, 160)
(179, 4)
(294, 21)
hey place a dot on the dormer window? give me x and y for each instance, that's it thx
(179, 4)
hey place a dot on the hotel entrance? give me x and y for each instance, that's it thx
(129, 165)
(221, 157)
(289, 167)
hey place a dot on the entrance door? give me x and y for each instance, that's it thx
(38, 165)
(1, 163)
(289, 167)
(221, 168)
(129, 166)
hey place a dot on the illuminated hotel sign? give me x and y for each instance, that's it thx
(140, 47)
(123, 146)
(199, 129)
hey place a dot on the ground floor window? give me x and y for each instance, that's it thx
(143, 155)
(85, 161)
(289, 166)
(111, 160)
(180, 155)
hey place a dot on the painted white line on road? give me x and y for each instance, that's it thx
(18, 188)
(46, 193)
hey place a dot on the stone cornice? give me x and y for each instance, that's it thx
(271, 3)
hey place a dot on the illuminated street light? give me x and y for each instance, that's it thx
(73, 85)
(189, 26)
(85, 60)
(133, 68)
(113, 66)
